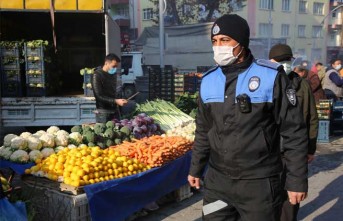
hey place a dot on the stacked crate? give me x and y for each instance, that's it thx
(324, 115)
(35, 71)
(337, 117)
(161, 84)
(190, 83)
(11, 71)
(88, 91)
(178, 85)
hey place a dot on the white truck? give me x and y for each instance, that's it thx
(131, 68)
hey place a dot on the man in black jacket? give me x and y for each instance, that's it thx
(283, 54)
(104, 84)
(244, 107)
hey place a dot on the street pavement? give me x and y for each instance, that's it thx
(324, 201)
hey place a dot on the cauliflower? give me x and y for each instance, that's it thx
(25, 135)
(39, 133)
(8, 138)
(71, 146)
(75, 138)
(35, 155)
(47, 152)
(61, 140)
(20, 156)
(62, 133)
(82, 145)
(48, 140)
(52, 130)
(58, 149)
(19, 143)
(6, 152)
(34, 143)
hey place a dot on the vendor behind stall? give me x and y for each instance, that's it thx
(104, 84)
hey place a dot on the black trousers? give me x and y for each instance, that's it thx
(228, 199)
(104, 117)
(289, 212)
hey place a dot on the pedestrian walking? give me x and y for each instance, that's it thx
(245, 106)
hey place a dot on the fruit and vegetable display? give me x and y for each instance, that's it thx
(86, 165)
(164, 113)
(116, 131)
(28, 147)
(159, 134)
(37, 43)
(155, 151)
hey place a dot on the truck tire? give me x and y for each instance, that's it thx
(129, 90)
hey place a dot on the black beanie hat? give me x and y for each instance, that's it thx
(280, 52)
(234, 26)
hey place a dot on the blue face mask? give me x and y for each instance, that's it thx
(112, 71)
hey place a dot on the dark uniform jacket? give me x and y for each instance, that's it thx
(247, 145)
(104, 88)
(307, 102)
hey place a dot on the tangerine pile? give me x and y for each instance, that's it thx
(86, 165)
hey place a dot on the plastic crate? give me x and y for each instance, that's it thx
(184, 192)
(51, 204)
(38, 51)
(36, 65)
(12, 89)
(87, 78)
(11, 75)
(35, 91)
(15, 65)
(13, 52)
(323, 131)
(88, 92)
(35, 78)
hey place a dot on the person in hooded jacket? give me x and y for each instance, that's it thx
(245, 105)
(282, 54)
(104, 85)
(333, 82)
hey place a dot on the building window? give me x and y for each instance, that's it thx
(122, 11)
(318, 8)
(284, 30)
(265, 29)
(286, 5)
(148, 13)
(301, 31)
(317, 31)
(267, 4)
(302, 6)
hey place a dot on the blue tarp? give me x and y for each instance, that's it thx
(12, 211)
(16, 167)
(115, 200)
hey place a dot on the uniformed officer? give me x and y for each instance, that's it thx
(244, 107)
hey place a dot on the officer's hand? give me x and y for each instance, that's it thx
(296, 197)
(310, 158)
(121, 102)
(194, 182)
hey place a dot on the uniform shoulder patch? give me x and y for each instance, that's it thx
(269, 64)
(291, 95)
(210, 70)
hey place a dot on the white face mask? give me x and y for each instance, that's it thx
(287, 66)
(223, 55)
(338, 67)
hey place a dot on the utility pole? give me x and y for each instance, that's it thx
(161, 25)
(270, 28)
